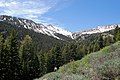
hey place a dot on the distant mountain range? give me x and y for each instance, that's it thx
(99, 29)
(52, 30)
(49, 30)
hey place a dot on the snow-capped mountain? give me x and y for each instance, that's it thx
(49, 29)
(99, 29)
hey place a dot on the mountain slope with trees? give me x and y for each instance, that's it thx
(40, 41)
(26, 54)
(101, 65)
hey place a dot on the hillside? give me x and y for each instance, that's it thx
(50, 52)
(101, 65)
(41, 41)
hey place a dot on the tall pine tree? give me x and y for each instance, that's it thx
(29, 59)
(43, 59)
(117, 33)
(101, 41)
(11, 68)
(54, 58)
(1, 57)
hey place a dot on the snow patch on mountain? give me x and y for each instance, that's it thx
(48, 29)
(99, 29)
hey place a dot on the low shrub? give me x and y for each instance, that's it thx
(110, 69)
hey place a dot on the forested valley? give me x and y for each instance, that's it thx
(22, 58)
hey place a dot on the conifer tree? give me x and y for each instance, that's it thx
(10, 58)
(65, 54)
(101, 42)
(1, 57)
(117, 33)
(57, 55)
(50, 61)
(80, 52)
(108, 40)
(29, 59)
(96, 47)
(43, 58)
(55, 58)
(70, 52)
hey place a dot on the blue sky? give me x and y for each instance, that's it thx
(73, 15)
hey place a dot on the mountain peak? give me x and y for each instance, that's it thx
(98, 29)
(49, 29)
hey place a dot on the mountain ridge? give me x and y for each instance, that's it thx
(54, 31)
(98, 29)
(49, 30)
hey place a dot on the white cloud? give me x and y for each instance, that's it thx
(30, 9)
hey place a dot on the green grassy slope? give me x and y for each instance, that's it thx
(101, 65)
